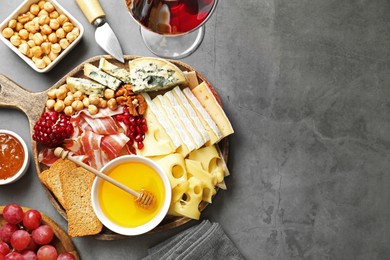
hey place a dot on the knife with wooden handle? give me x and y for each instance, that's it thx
(104, 35)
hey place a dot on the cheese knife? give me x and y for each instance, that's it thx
(104, 35)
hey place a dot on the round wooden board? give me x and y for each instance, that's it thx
(61, 241)
(33, 104)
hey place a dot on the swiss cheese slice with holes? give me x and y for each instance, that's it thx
(186, 199)
(194, 169)
(152, 74)
(174, 166)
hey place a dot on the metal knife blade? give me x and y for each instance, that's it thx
(108, 41)
(104, 35)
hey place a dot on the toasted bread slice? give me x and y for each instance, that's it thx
(51, 177)
(76, 186)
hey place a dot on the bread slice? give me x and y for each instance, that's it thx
(76, 186)
(51, 177)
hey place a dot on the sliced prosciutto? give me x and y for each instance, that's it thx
(112, 145)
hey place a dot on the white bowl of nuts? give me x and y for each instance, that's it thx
(41, 33)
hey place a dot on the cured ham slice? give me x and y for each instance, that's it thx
(104, 126)
(47, 157)
(90, 141)
(113, 144)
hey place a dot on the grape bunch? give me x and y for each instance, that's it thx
(25, 237)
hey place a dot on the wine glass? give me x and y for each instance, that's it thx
(171, 28)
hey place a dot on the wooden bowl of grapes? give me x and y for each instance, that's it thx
(30, 233)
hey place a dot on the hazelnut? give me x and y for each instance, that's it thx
(23, 18)
(23, 34)
(59, 106)
(77, 105)
(12, 23)
(54, 24)
(52, 38)
(34, 9)
(43, 19)
(68, 110)
(62, 19)
(19, 27)
(15, 40)
(67, 26)
(111, 103)
(64, 43)
(24, 48)
(93, 110)
(69, 100)
(109, 93)
(86, 102)
(36, 51)
(55, 48)
(43, 12)
(60, 33)
(40, 65)
(54, 15)
(8, 32)
(102, 103)
(52, 93)
(46, 47)
(41, 4)
(48, 7)
(50, 103)
(71, 37)
(37, 38)
(47, 60)
(52, 55)
(61, 94)
(46, 29)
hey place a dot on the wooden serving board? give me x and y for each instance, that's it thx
(61, 241)
(33, 105)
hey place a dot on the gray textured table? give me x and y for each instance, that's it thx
(305, 84)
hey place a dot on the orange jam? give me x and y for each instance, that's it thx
(119, 206)
(11, 156)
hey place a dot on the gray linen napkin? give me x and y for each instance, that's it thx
(203, 241)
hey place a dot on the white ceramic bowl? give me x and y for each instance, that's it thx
(149, 225)
(26, 160)
(23, 8)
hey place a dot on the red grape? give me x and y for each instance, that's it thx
(43, 235)
(13, 213)
(14, 256)
(66, 256)
(4, 248)
(32, 219)
(47, 252)
(29, 255)
(32, 246)
(6, 232)
(20, 239)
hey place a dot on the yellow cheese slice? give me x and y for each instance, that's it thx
(192, 79)
(208, 101)
(187, 197)
(156, 141)
(194, 169)
(173, 165)
(211, 162)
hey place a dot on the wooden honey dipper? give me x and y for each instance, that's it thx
(143, 198)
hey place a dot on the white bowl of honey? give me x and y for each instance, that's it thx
(14, 157)
(117, 209)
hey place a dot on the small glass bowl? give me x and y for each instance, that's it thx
(26, 160)
(132, 231)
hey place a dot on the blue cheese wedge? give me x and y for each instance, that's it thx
(152, 74)
(115, 71)
(86, 86)
(103, 78)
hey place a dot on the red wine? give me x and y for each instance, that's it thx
(171, 16)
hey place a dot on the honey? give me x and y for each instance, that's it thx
(11, 156)
(119, 206)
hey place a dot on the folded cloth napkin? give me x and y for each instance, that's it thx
(203, 241)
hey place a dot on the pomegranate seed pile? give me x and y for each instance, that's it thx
(137, 128)
(52, 129)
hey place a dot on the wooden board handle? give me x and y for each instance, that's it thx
(91, 9)
(14, 96)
